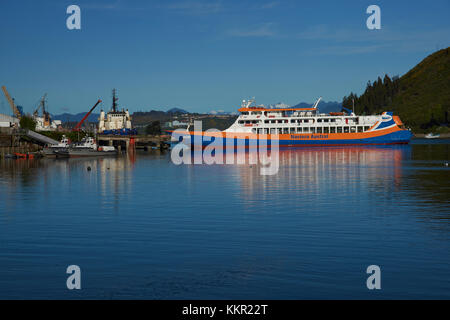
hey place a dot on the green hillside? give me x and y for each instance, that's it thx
(421, 97)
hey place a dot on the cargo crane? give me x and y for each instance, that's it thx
(45, 114)
(41, 104)
(78, 126)
(15, 110)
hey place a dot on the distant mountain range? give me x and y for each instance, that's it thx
(324, 107)
(177, 110)
(68, 117)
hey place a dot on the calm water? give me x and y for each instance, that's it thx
(141, 227)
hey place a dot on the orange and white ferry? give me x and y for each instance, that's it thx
(307, 127)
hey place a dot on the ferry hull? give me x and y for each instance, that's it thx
(386, 137)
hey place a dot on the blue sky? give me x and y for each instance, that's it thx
(208, 55)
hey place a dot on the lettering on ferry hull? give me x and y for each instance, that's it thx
(307, 136)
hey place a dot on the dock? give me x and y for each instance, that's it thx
(20, 141)
(128, 143)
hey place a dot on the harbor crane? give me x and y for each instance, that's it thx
(41, 104)
(45, 114)
(78, 126)
(11, 103)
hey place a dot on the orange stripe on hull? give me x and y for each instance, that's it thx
(300, 136)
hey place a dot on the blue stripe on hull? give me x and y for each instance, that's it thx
(398, 137)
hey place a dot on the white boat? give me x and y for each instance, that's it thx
(87, 147)
(87, 143)
(432, 136)
(62, 145)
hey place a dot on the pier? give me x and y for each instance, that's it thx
(127, 143)
(16, 140)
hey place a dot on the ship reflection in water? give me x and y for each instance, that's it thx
(343, 171)
(141, 227)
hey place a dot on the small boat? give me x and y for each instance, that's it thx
(18, 155)
(62, 145)
(87, 147)
(75, 153)
(432, 136)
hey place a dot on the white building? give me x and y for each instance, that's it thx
(43, 124)
(8, 121)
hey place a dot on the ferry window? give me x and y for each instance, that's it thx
(254, 121)
(292, 120)
(332, 129)
(254, 130)
(240, 121)
(319, 120)
(360, 129)
(319, 130)
(366, 128)
(280, 131)
(352, 129)
(266, 130)
(273, 131)
(285, 130)
(326, 130)
(245, 113)
(299, 129)
(339, 129)
(280, 121)
(346, 129)
(247, 122)
(273, 121)
(266, 121)
(325, 120)
(312, 129)
(292, 130)
(332, 120)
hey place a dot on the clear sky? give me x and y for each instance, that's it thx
(205, 55)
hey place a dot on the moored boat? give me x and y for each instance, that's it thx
(62, 145)
(74, 153)
(86, 148)
(432, 136)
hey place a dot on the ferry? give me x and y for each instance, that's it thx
(300, 127)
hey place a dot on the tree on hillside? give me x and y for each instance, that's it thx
(27, 122)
